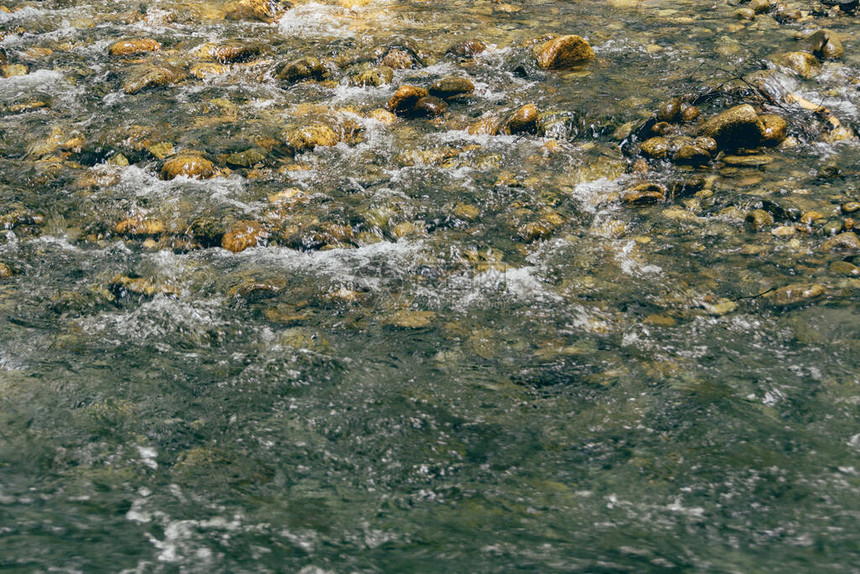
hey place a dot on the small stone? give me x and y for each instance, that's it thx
(691, 155)
(134, 47)
(382, 116)
(467, 49)
(260, 10)
(398, 59)
(825, 44)
(230, 53)
(374, 77)
(760, 6)
(689, 113)
(404, 99)
(656, 148)
(308, 68)
(524, 120)
(754, 160)
(5, 271)
(11, 70)
(207, 70)
(410, 319)
(563, 53)
(309, 137)
(745, 14)
(430, 106)
(795, 294)
(802, 63)
(644, 194)
(810, 217)
(154, 77)
(242, 235)
(123, 286)
(737, 127)
(188, 164)
(850, 207)
(451, 87)
(247, 158)
(139, 226)
(775, 129)
(845, 268)
(758, 219)
(669, 111)
(847, 241)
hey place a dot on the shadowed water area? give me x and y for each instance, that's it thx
(262, 312)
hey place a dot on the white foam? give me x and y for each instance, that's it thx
(315, 20)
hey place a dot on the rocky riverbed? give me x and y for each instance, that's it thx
(357, 285)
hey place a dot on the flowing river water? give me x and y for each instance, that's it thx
(251, 321)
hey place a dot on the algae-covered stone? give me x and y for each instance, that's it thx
(5, 271)
(563, 53)
(188, 164)
(243, 235)
(737, 127)
(404, 99)
(134, 47)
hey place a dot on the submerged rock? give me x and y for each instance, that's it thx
(229, 53)
(188, 164)
(160, 75)
(563, 53)
(374, 77)
(309, 137)
(467, 49)
(795, 294)
(737, 127)
(260, 10)
(451, 87)
(307, 68)
(134, 47)
(430, 106)
(645, 194)
(140, 226)
(243, 235)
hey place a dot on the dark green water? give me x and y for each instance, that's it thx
(453, 352)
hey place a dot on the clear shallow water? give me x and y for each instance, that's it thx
(439, 388)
